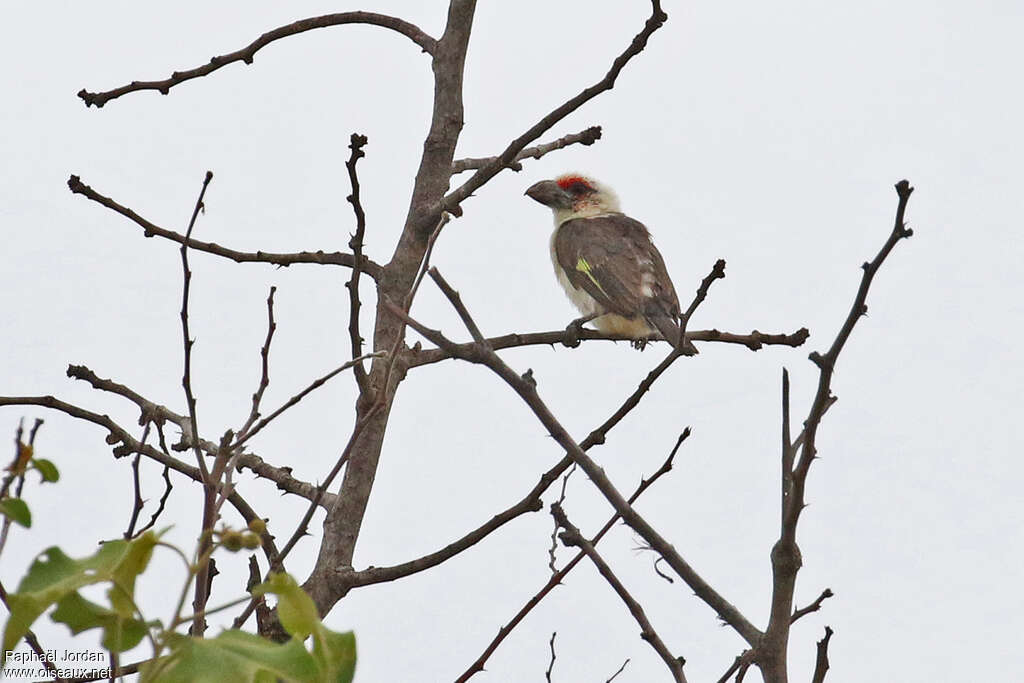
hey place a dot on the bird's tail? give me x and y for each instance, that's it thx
(670, 330)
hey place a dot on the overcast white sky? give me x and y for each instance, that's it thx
(768, 134)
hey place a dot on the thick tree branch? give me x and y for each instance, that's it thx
(344, 520)
(247, 53)
(821, 664)
(149, 230)
(584, 137)
(452, 201)
(572, 537)
(754, 341)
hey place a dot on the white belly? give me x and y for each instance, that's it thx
(609, 323)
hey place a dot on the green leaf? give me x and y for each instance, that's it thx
(233, 656)
(53, 576)
(295, 608)
(119, 634)
(134, 562)
(47, 469)
(335, 653)
(16, 510)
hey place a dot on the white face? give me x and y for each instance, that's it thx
(591, 198)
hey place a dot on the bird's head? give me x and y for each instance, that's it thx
(574, 196)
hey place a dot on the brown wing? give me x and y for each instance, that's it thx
(613, 259)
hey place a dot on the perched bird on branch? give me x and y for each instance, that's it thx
(607, 263)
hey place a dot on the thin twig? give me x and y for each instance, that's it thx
(209, 515)
(356, 144)
(187, 341)
(554, 528)
(813, 607)
(616, 674)
(281, 476)
(717, 273)
(257, 396)
(316, 384)
(137, 501)
(246, 54)
(572, 537)
(160, 505)
(584, 137)
(551, 664)
(149, 229)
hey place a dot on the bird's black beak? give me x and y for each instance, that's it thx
(548, 193)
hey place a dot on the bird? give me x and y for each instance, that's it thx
(608, 264)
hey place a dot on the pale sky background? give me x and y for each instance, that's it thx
(768, 134)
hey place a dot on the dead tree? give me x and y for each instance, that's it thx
(380, 367)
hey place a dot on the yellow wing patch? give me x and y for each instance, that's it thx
(584, 267)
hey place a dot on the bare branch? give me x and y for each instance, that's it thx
(454, 198)
(161, 504)
(356, 144)
(128, 445)
(257, 397)
(137, 501)
(301, 529)
(813, 607)
(247, 53)
(556, 579)
(457, 304)
(616, 674)
(771, 653)
(552, 558)
(753, 341)
(821, 664)
(584, 137)
(551, 664)
(187, 341)
(717, 273)
(572, 537)
(788, 451)
(316, 384)
(281, 476)
(743, 661)
(526, 389)
(149, 230)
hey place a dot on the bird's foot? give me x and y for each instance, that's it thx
(573, 330)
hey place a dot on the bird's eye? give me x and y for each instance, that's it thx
(580, 188)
